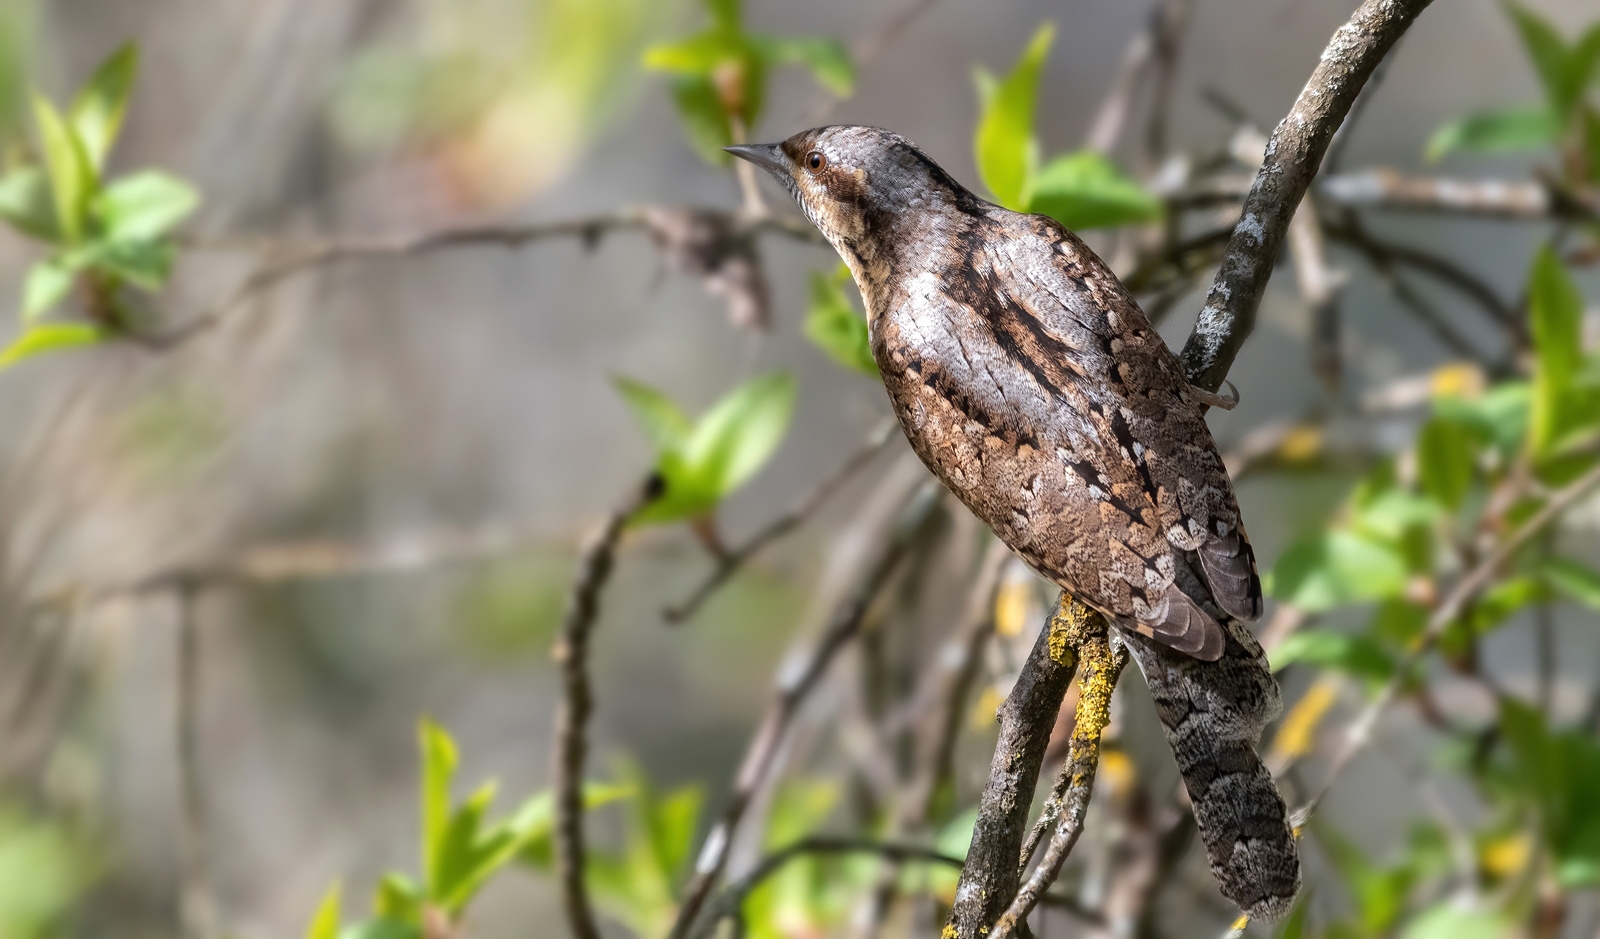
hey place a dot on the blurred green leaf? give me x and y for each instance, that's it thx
(828, 59)
(382, 928)
(701, 54)
(439, 760)
(1295, 926)
(728, 444)
(72, 179)
(1561, 773)
(1445, 920)
(834, 325)
(535, 819)
(49, 337)
(1555, 309)
(704, 120)
(44, 872)
(664, 422)
(141, 263)
(1445, 461)
(740, 432)
(1576, 580)
(1504, 600)
(325, 922)
(96, 113)
(27, 203)
(729, 14)
(1495, 132)
(1390, 514)
(1336, 568)
(1007, 151)
(1354, 654)
(639, 886)
(48, 283)
(1086, 190)
(145, 205)
(1563, 71)
(1500, 414)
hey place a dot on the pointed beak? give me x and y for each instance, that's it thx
(768, 156)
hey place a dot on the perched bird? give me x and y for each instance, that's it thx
(1028, 379)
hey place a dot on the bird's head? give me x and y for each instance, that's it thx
(869, 191)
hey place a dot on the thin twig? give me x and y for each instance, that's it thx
(572, 654)
(867, 48)
(1101, 666)
(729, 562)
(990, 878)
(793, 687)
(196, 909)
(1292, 160)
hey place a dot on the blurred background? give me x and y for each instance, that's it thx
(366, 482)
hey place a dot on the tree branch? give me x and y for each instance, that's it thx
(1102, 665)
(990, 878)
(730, 561)
(572, 654)
(793, 687)
(196, 909)
(1291, 162)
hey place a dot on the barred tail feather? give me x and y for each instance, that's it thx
(1213, 713)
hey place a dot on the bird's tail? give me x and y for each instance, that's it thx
(1213, 713)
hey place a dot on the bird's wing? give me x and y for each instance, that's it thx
(1156, 451)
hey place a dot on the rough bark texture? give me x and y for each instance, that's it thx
(1292, 159)
(990, 879)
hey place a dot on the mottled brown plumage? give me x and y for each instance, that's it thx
(1028, 379)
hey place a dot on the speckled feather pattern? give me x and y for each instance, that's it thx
(1027, 378)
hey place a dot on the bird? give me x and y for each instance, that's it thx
(1028, 379)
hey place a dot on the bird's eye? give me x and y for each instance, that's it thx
(816, 162)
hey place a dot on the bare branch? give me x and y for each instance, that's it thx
(729, 562)
(990, 878)
(793, 687)
(1102, 665)
(1292, 160)
(572, 654)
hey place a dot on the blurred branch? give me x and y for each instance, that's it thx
(1292, 160)
(990, 878)
(729, 562)
(1360, 733)
(867, 48)
(289, 258)
(1151, 52)
(1069, 800)
(196, 907)
(572, 654)
(794, 685)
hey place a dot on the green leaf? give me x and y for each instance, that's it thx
(26, 202)
(399, 898)
(144, 205)
(1506, 598)
(1556, 310)
(1445, 461)
(1295, 926)
(49, 337)
(1578, 581)
(96, 113)
(1354, 654)
(1495, 132)
(1086, 190)
(828, 59)
(704, 120)
(1448, 921)
(1337, 568)
(1007, 151)
(534, 821)
(325, 922)
(439, 760)
(1546, 50)
(1500, 414)
(141, 263)
(728, 14)
(48, 283)
(834, 326)
(382, 928)
(1561, 773)
(664, 422)
(699, 54)
(740, 432)
(72, 179)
